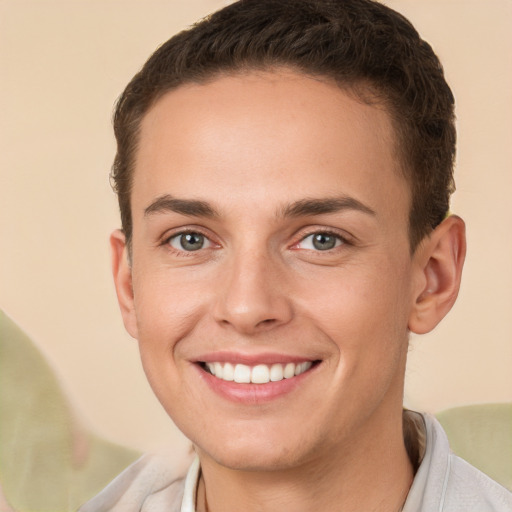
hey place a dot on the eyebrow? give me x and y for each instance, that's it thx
(188, 207)
(308, 207)
(301, 208)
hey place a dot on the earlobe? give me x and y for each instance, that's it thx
(122, 273)
(439, 263)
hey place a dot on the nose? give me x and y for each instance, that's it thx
(252, 297)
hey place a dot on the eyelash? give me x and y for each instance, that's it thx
(181, 252)
(340, 241)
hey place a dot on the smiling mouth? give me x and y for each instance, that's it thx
(258, 374)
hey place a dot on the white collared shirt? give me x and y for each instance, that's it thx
(443, 483)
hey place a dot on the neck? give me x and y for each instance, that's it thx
(372, 472)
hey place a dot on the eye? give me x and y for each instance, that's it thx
(320, 241)
(190, 241)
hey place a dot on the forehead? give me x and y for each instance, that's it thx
(298, 134)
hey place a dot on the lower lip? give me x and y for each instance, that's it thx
(253, 393)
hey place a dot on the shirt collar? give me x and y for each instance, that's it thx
(190, 491)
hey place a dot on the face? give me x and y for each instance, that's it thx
(271, 282)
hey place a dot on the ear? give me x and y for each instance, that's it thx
(122, 272)
(439, 262)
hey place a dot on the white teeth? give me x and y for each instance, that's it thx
(218, 370)
(228, 372)
(276, 372)
(302, 367)
(289, 371)
(259, 374)
(242, 373)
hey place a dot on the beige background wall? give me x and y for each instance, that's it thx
(62, 65)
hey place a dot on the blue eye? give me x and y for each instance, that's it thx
(191, 241)
(320, 241)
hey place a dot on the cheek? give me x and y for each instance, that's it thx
(364, 310)
(166, 313)
(167, 306)
(171, 307)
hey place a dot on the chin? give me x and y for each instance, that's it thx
(241, 459)
(251, 451)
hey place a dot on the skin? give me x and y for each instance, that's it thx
(252, 147)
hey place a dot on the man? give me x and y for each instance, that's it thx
(284, 171)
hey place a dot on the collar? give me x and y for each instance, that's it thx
(190, 491)
(428, 434)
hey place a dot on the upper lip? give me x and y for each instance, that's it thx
(252, 359)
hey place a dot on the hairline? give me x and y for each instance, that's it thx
(360, 89)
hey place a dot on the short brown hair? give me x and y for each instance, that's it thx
(357, 43)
